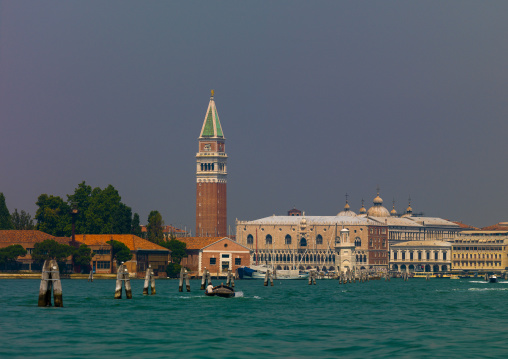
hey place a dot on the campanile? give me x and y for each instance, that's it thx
(211, 177)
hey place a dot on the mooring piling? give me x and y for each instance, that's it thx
(230, 281)
(268, 277)
(90, 276)
(149, 281)
(123, 276)
(205, 279)
(184, 275)
(50, 280)
(312, 277)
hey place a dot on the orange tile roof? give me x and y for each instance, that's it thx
(463, 225)
(134, 243)
(29, 236)
(198, 242)
(501, 226)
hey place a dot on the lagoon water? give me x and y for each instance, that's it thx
(414, 319)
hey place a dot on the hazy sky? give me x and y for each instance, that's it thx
(316, 99)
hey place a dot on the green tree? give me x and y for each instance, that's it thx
(173, 270)
(53, 216)
(106, 214)
(154, 228)
(51, 249)
(178, 249)
(81, 200)
(82, 257)
(21, 221)
(9, 254)
(120, 252)
(136, 227)
(5, 216)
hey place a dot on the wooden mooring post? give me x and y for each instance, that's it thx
(50, 279)
(149, 281)
(184, 275)
(312, 277)
(90, 276)
(268, 277)
(122, 277)
(205, 279)
(230, 280)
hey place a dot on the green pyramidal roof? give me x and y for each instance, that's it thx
(211, 125)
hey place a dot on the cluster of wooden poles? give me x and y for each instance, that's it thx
(50, 282)
(205, 279)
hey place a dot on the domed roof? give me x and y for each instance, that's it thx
(378, 210)
(363, 210)
(347, 211)
(393, 212)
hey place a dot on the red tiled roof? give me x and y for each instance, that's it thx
(29, 236)
(198, 242)
(465, 226)
(501, 226)
(134, 243)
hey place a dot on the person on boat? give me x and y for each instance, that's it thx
(209, 288)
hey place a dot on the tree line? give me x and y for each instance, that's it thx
(99, 211)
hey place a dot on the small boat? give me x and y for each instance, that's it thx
(221, 291)
(453, 276)
(492, 279)
(259, 272)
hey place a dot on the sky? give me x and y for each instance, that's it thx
(316, 99)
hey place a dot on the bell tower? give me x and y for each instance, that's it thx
(211, 177)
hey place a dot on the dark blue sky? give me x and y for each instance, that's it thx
(316, 99)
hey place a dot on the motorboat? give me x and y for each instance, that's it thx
(259, 272)
(221, 291)
(492, 279)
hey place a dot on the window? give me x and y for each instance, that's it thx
(358, 242)
(268, 239)
(213, 261)
(103, 264)
(287, 240)
(303, 242)
(250, 239)
(319, 239)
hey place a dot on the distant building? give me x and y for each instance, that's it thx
(168, 232)
(27, 239)
(409, 227)
(421, 256)
(481, 251)
(305, 242)
(211, 177)
(144, 253)
(216, 254)
(294, 212)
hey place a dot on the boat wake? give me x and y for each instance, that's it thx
(239, 294)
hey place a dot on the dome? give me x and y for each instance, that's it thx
(378, 210)
(347, 211)
(393, 212)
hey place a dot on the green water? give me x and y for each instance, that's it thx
(414, 319)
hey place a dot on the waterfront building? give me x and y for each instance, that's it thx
(144, 253)
(481, 251)
(305, 242)
(27, 239)
(410, 227)
(216, 254)
(430, 256)
(211, 177)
